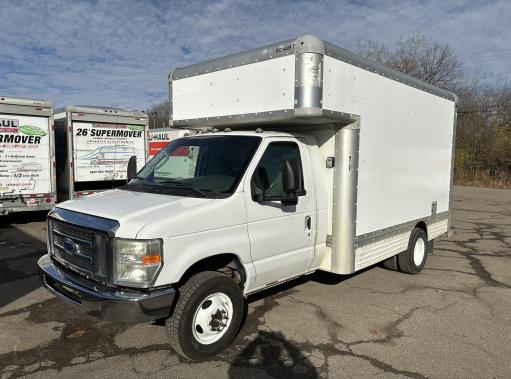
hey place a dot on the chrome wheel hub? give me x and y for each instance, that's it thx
(212, 318)
(419, 250)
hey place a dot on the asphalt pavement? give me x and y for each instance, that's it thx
(451, 321)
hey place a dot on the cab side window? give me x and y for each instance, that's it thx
(270, 167)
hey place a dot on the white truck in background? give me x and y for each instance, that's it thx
(307, 157)
(27, 159)
(93, 147)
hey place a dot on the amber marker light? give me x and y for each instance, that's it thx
(151, 259)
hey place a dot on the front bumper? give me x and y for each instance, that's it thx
(106, 303)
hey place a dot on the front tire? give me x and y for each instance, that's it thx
(207, 316)
(413, 259)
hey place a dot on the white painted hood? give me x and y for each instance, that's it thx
(149, 215)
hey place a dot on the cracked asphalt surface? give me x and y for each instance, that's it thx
(451, 321)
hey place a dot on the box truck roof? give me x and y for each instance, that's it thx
(29, 107)
(25, 102)
(107, 111)
(299, 81)
(305, 44)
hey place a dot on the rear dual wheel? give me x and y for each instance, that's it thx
(413, 259)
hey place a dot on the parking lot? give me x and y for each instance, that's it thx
(451, 321)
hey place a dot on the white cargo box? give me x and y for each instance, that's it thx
(27, 159)
(94, 145)
(393, 159)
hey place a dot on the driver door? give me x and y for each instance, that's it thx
(281, 236)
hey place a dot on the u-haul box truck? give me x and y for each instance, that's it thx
(27, 161)
(308, 157)
(159, 138)
(94, 146)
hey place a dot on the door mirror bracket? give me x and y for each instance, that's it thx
(258, 183)
(132, 168)
(293, 200)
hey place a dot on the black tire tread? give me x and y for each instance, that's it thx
(185, 292)
(405, 258)
(391, 263)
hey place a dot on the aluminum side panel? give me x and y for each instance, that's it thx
(405, 144)
(260, 87)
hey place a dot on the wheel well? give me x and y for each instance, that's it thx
(422, 225)
(228, 264)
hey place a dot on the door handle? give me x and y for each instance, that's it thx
(308, 223)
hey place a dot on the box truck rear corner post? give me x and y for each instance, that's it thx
(307, 157)
(94, 146)
(27, 159)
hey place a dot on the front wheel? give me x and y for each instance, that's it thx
(207, 316)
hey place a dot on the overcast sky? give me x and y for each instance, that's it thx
(119, 53)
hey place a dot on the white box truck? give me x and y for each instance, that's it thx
(27, 159)
(93, 147)
(308, 157)
(159, 138)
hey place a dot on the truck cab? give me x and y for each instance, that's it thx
(234, 202)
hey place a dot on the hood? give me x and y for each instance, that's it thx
(160, 216)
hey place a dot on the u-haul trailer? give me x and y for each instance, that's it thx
(307, 157)
(94, 145)
(27, 161)
(161, 137)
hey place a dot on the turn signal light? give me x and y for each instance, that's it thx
(151, 259)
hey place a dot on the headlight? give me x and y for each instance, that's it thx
(137, 262)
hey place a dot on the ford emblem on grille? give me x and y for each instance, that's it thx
(70, 246)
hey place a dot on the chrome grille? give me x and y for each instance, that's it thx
(78, 248)
(73, 231)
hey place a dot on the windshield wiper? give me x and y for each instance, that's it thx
(183, 185)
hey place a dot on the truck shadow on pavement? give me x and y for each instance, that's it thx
(274, 354)
(270, 351)
(19, 253)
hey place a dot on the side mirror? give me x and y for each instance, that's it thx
(291, 176)
(132, 168)
(259, 184)
(291, 180)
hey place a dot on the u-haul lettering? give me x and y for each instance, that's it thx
(18, 138)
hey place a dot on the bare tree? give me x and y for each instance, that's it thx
(159, 114)
(420, 57)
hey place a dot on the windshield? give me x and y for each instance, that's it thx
(201, 166)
